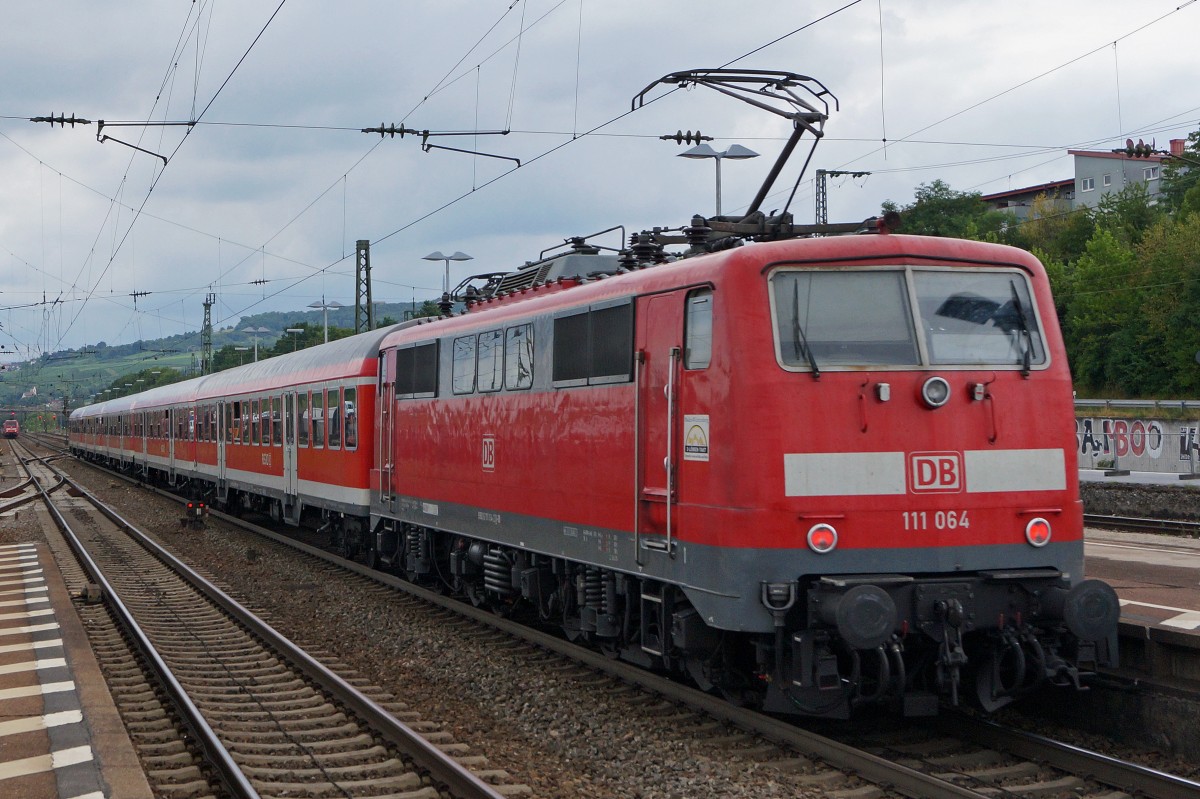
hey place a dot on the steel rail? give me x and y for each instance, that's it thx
(441, 767)
(1132, 778)
(1190, 528)
(230, 774)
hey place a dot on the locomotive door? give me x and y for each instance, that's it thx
(657, 358)
(290, 476)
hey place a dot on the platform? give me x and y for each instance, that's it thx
(60, 734)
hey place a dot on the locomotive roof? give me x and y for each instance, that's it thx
(568, 291)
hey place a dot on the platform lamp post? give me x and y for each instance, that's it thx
(324, 307)
(239, 351)
(294, 331)
(256, 331)
(736, 151)
(437, 255)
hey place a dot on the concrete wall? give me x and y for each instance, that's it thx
(1140, 445)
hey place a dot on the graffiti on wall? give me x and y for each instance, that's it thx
(1146, 440)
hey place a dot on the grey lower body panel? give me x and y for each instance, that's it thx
(724, 584)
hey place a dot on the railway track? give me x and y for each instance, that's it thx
(263, 717)
(1168, 526)
(957, 757)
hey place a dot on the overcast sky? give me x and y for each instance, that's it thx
(262, 201)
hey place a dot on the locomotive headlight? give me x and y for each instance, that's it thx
(1037, 532)
(822, 538)
(935, 392)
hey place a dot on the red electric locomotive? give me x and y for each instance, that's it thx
(810, 473)
(12, 428)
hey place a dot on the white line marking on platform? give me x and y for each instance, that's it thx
(33, 665)
(20, 569)
(33, 723)
(30, 645)
(12, 603)
(32, 614)
(24, 591)
(36, 690)
(1186, 620)
(32, 556)
(29, 628)
(31, 581)
(43, 763)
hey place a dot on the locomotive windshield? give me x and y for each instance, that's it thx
(872, 318)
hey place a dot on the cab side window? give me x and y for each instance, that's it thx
(698, 330)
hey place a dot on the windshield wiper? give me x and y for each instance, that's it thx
(1027, 351)
(799, 341)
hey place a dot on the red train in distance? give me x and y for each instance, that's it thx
(12, 428)
(809, 473)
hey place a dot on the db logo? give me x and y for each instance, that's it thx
(935, 471)
(489, 453)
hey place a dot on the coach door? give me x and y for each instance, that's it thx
(384, 446)
(222, 432)
(657, 358)
(290, 477)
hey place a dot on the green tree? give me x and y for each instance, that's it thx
(939, 210)
(1097, 309)
(1168, 318)
(1128, 213)
(1058, 233)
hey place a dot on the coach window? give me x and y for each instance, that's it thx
(491, 360)
(697, 352)
(230, 415)
(318, 419)
(334, 403)
(463, 366)
(276, 421)
(254, 421)
(245, 423)
(351, 407)
(518, 357)
(302, 415)
(165, 425)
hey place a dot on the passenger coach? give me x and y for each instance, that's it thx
(280, 436)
